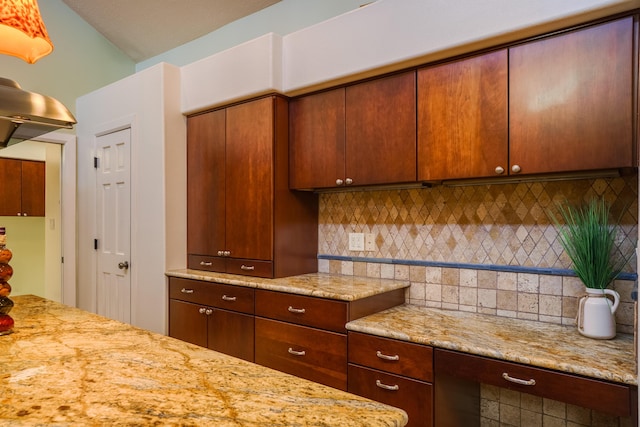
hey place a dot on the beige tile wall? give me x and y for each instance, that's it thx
(499, 226)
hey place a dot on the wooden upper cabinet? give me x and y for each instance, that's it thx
(359, 135)
(462, 118)
(205, 178)
(249, 179)
(33, 188)
(23, 187)
(242, 217)
(571, 101)
(317, 140)
(381, 130)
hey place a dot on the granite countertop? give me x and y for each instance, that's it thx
(65, 366)
(544, 345)
(332, 286)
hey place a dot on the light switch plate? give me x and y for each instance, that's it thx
(356, 241)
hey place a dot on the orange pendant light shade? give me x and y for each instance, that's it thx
(22, 32)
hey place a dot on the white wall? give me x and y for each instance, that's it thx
(148, 103)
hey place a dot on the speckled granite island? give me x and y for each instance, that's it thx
(63, 366)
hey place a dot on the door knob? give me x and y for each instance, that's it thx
(123, 265)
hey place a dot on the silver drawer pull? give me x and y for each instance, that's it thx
(206, 263)
(247, 267)
(186, 291)
(394, 387)
(383, 356)
(296, 310)
(518, 380)
(228, 298)
(296, 353)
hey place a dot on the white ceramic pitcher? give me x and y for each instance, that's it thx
(596, 313)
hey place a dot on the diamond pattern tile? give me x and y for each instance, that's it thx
(503, 224)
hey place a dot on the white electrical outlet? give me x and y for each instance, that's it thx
(356, 241)
(369, 242)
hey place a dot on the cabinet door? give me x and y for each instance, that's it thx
(381, 130)
(317, 140)
(570, 100)
(10, 187)
(205, 183)
(462, 118)
(231, 333)
(186, 323)
(249, 179)
(33, 188)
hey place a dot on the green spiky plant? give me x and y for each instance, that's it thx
(588, 238)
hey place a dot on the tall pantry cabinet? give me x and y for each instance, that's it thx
(241, 216)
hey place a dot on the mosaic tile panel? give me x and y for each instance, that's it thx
(500, 224)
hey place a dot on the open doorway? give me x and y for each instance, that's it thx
(40, 244)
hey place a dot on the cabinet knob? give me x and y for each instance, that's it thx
(515, 169)
(499, 170)
(227, 253)
(24, 214)
(339, 181)
(348, 181)
(202, 310)
(208, 311)
(220, 253)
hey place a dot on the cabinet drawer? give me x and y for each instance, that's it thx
(250, 267)
(302, 310)
(589, 393)
(206, 263)
(398, 357)
(415, 397)
(229, 297)
(316, 355)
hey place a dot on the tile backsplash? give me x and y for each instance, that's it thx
(492, 249)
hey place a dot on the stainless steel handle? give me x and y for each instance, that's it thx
(387, 387)
(247, 267)
(206, 263)
(228, 298)
(499, 170)
(186, 291)
(518, 380)
(515, 169)
(296, 352)
(123, 265)
(296, 310)
(348, 181)
(383, 356)
(339, 181)
(208, 311)
(202, 310)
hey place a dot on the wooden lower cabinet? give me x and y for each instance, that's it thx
(394, 372)
(459, 376)
(213, 315)
(309, 353)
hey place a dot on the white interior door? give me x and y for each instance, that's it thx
(113, 210)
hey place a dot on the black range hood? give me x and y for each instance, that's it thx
(25, 115)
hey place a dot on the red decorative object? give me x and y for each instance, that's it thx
(6, 271)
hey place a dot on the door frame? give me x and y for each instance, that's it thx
(68, 172)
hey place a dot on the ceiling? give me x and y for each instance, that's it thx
(145, 28)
